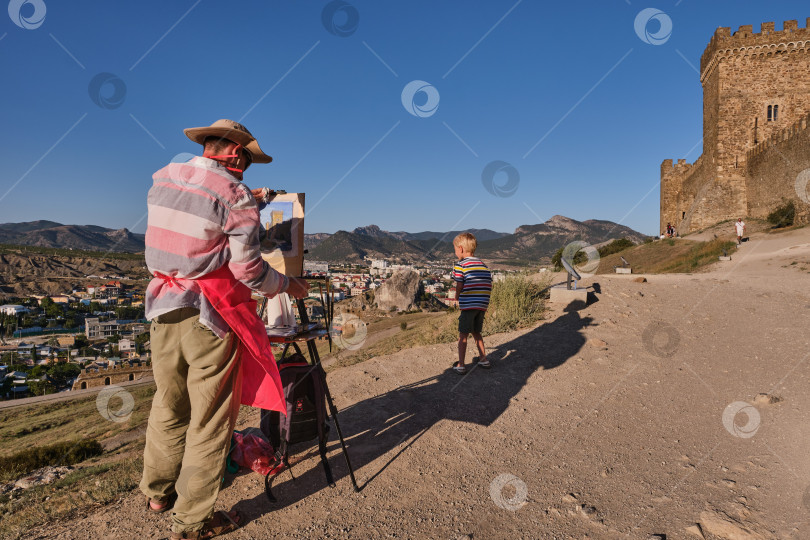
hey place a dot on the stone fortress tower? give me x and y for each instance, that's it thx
(756, 101)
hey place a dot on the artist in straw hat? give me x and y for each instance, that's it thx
(209, 349)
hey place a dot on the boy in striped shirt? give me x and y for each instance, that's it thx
(473, 287)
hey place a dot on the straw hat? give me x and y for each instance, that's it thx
(233, 131)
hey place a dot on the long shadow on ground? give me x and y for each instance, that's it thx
(397, 419)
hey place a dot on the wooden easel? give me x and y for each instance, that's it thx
(315, 360)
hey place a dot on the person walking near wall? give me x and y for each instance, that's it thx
(739, 227)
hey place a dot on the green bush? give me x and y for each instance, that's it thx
(579, 259)
(783, 216)
(614, 247)
(63, 453)
(403, 325)
(516, 302)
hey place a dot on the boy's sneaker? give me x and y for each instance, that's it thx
(485, 364)
(461, 370)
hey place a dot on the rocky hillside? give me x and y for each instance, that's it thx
(55, 235)
(529, 243)
(539, 242)
(34, 271)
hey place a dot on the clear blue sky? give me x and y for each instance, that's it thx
(605, 106)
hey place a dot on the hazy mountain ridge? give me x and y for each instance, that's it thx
(85, 237)
(373, 231)
(529, 243)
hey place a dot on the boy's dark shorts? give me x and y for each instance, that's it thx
(471, 321)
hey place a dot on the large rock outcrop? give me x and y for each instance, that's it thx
(401, 292)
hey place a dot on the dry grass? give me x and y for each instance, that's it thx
(94, 485)
(516, 302)
(668, 256)
(42, 424)
(423, 329)
(96, 481)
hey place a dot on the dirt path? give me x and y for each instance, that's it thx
(635, 416)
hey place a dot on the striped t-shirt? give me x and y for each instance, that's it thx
(202, 218)
(477, 280)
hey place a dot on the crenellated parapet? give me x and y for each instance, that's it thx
(746, 42)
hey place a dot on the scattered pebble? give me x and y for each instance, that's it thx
(695, 529)
(587, 511)
(766, 399)
(597, 343)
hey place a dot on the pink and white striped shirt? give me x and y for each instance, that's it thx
(200, 219)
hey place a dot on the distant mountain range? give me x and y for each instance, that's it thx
(528, 244)
(55, 235)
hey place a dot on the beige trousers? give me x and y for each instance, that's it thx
(193, 414)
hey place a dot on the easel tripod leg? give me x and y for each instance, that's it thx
(313, 353)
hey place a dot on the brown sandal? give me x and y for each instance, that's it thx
(221, 523)
(161, 505)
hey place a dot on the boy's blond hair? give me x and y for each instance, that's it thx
(467, 242)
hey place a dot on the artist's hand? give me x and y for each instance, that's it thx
(298, 288)
(263, 194)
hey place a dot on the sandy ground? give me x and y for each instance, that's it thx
(633, 417)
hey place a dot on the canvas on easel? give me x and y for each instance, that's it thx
(282, 236)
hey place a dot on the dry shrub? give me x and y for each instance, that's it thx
(516, 302)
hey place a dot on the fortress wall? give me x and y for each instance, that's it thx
(772, 169)
(679, 185)
(93, 377)
(749, 84)
(703, 200)
(742, 74)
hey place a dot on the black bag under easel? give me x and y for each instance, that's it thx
(307, 396)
